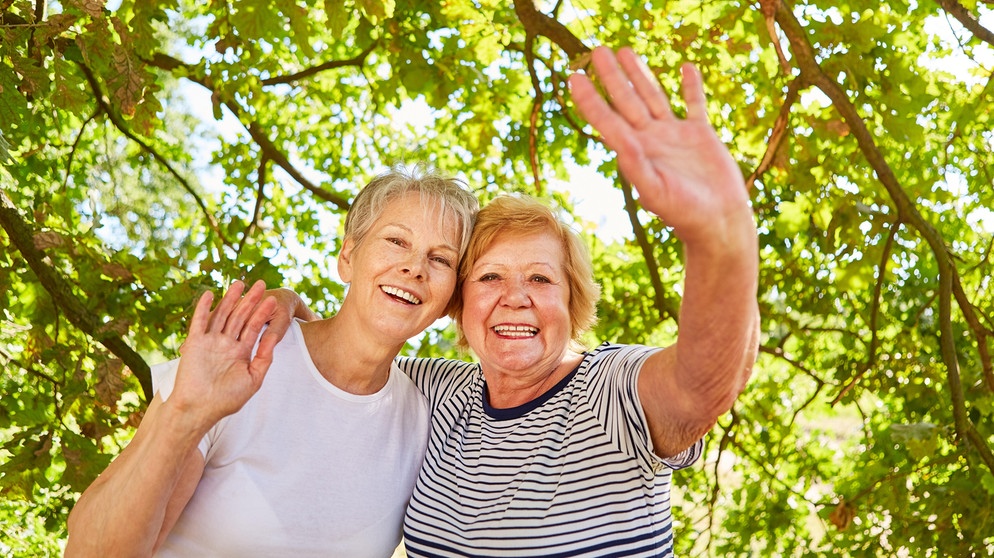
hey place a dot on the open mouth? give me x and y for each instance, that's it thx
(400, 294)
(518, 332)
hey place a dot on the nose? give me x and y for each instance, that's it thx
(415, 266)
(515, 294)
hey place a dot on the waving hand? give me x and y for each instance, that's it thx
(682, 171)
(218, 371)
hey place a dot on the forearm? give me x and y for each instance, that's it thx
(122, 513)
(719, 316)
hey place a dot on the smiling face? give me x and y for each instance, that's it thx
(516, 305)
(403, 273)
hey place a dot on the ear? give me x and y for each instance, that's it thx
(345, 260)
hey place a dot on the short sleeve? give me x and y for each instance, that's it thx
(439, 379)
(687, 457)
(613, 387)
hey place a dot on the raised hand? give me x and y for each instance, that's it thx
(682, 171)
(218, 373)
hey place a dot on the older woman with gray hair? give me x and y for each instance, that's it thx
(321, 457)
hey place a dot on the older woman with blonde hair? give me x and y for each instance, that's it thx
(524, 216)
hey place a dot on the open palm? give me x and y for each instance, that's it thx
(218, 372)
(682, 171)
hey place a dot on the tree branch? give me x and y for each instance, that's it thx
(967, 20)
(663, 305)
(807, 62)
(358, 61)
(779, 353)
(538, 24)
(536, 108)
(778, 133)
(29, 369)
(269, 149)
(260, 195)
(75, 143)
(871, 358)
(119, 124)
(59, 288)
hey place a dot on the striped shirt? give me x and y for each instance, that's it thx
(571, 473)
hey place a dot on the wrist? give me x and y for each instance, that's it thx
(184, 424)
(731, 236)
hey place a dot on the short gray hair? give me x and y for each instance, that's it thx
(449, 193)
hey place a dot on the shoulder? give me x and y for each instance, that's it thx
(414, 366)
(439, 378)
(405, 387)
(618, 356)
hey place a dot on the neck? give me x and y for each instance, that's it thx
(508, 389)
(349, 360)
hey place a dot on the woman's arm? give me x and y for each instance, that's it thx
(134, 503)
(684, 174)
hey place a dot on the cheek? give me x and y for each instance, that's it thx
(446, 281)
(474, 306)
(558, 308)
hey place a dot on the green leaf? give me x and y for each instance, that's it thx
(377, 10)
(338, 17)
(987, 481)
(854, 227)
(793, 218)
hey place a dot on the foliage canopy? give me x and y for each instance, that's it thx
(154, 149)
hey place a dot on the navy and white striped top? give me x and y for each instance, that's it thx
(569, 474)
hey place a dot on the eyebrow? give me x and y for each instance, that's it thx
(527, 264)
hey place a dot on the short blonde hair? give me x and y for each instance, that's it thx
(528, 216)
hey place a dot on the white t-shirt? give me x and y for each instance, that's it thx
(304, 468)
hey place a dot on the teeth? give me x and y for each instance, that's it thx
(515, 331)
(401, 294)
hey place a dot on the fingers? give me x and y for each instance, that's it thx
(634, 91)
(264, 352)
(596, 111)
(279, 321)
(625, 98)
(587, 100)
(244, 308)
(645, 84)
(305, 313)
(228, 302)
(693, 92)
(234, 310)
(201, 314)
